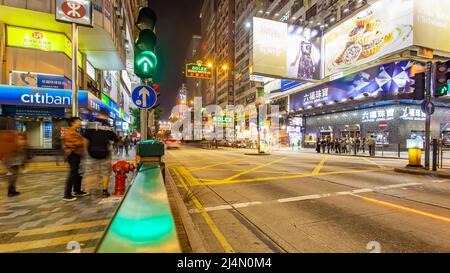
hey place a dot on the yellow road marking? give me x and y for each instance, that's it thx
(215, 230)
(53, 229)
(193, 181)
(259, 179)
(21, 246)
(320, 165)
(236, 170)
(218, 164)
(391, 205)
(254, 169)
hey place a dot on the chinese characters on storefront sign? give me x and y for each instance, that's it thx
(412, 114)
(317, 96)
(378, 115)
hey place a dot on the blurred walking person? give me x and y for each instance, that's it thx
(100, 137)
(126, 144)
(73, 150)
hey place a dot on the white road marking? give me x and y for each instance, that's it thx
(306, 197)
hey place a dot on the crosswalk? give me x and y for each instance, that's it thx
(71, 238)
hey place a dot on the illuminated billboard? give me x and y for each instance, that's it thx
(381, 29)
(198, 71)
(285, 51)
(432, 24)
(41, 40)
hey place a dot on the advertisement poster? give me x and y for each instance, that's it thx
(303, 53)
(389, 79)
(432, 15)
(287, 51)
(371, 34)
(39, 80)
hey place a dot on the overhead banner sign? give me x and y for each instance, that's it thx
(286, 51)
(381, 29)
(74, 11)
(41, 40)
(198, 71)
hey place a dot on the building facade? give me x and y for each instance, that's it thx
(36, 75)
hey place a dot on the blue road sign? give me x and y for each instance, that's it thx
(144, 97)
(428, 107)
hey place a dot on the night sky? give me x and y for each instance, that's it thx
(176, 22)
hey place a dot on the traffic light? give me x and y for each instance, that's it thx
(145, 59)
(419, 86)
(441, 85)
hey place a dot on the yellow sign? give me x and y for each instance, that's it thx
(41, 40)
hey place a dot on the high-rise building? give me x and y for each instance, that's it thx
(208, 33)
(218, 32)
(193, 54)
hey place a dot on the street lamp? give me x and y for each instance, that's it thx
(225, 67)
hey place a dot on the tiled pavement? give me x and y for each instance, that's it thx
(39, 221)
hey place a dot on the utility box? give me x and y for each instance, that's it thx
(150, 148)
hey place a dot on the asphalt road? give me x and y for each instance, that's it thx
(308, 202)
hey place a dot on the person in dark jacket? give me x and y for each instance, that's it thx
(100, 137)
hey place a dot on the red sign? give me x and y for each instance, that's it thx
(38, 35)
(383, 126)
(73, 9)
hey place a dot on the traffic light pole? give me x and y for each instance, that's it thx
(74, 70)
(428, 90)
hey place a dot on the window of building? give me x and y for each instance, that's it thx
(311, 12)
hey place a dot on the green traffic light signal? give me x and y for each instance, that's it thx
(443, 90)
(144, 64)
(145, 60)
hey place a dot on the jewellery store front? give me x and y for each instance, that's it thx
(390, 124)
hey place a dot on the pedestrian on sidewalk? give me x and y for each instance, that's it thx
(14, 161)
(73, 150)
(126, 144)
(358, 144)
(337, 146)
(363, 145)
(119, 144)
(371, 143)
(318, 144)
(100, 137)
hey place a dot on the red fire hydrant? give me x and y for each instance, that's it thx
(121, 169)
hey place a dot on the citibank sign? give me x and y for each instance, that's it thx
(42, 97)
(37, 97)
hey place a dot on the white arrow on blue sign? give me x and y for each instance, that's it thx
(144, 97)
(428, 107)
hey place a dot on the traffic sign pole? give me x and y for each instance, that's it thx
(428, 89)
(74, 70)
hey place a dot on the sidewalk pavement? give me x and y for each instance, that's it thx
(50, 163)
(441, 173)
(40, 221)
